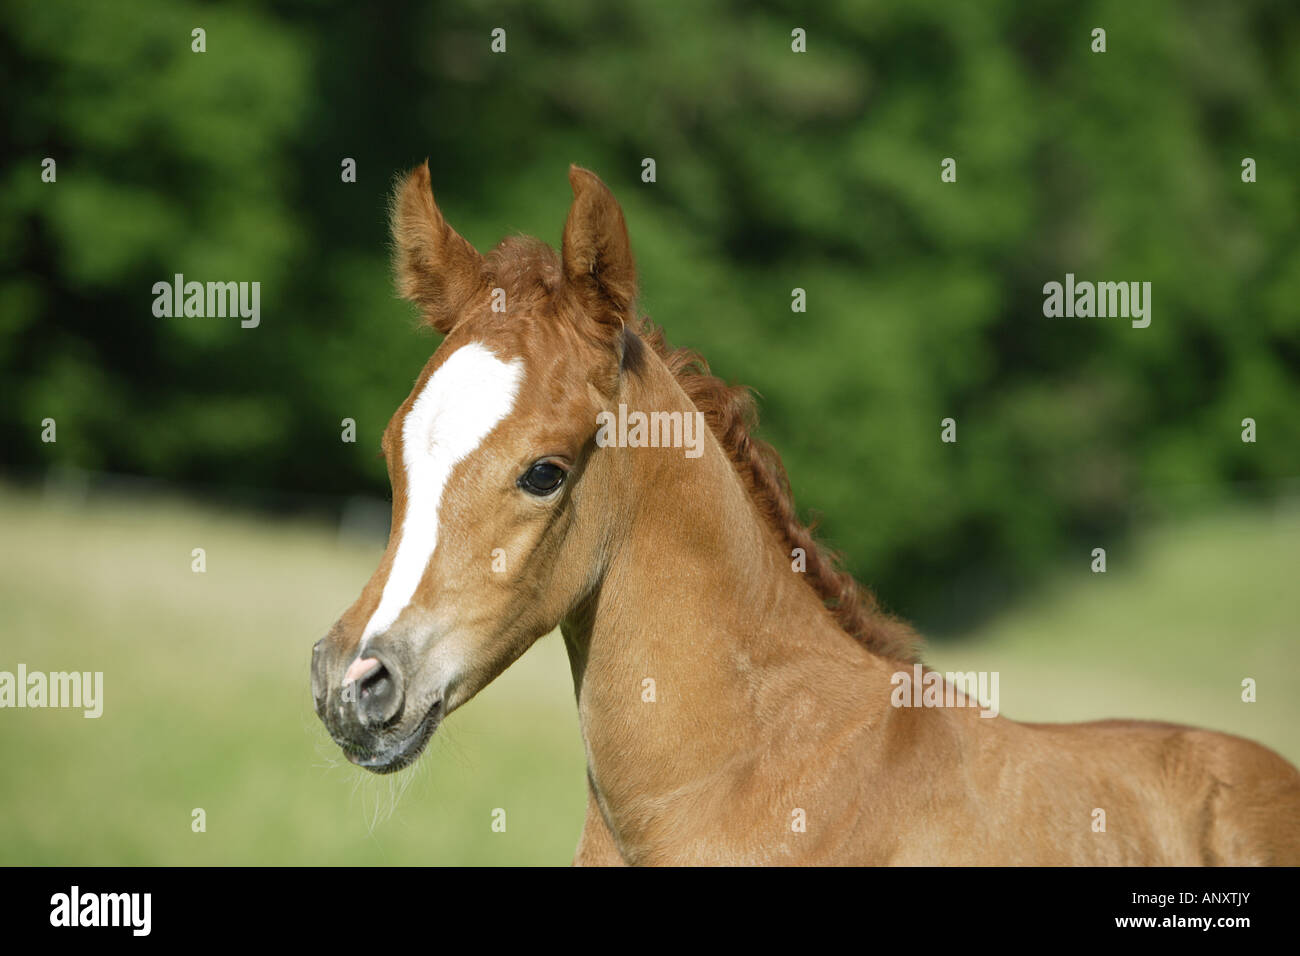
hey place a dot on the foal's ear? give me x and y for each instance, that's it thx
(596, 252)
(436, 269)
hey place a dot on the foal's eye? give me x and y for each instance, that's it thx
(542, 478)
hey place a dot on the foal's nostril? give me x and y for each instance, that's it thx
(379, 697)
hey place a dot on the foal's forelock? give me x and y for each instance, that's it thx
(456, 409)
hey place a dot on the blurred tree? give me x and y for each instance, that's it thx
(775, 170)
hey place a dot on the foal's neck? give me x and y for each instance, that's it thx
(702, 658)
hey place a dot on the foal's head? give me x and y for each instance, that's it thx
(496, 530)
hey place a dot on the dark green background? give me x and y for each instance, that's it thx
(775, 171)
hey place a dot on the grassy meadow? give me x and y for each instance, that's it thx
(208, 704)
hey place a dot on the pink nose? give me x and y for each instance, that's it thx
(359, 669)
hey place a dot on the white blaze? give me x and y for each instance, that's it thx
(459, 405)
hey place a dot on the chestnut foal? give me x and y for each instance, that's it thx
(734, 687)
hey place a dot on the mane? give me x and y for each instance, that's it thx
(732, 415)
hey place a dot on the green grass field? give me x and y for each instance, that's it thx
(208, 705)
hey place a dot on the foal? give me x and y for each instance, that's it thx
(733, 687)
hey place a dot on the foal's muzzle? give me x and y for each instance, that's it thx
(361, 698)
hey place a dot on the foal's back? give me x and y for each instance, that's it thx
(1116, 792)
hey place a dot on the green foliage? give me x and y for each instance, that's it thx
(776, 170)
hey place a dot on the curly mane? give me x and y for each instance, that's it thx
(732, 415)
